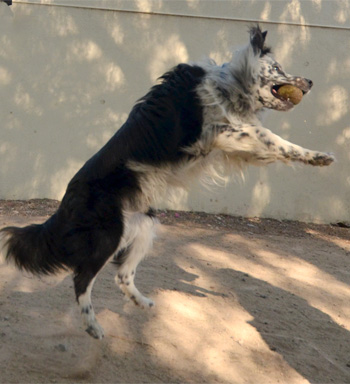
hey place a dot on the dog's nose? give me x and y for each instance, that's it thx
(310, 82)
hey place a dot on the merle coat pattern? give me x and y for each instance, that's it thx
(199, 118)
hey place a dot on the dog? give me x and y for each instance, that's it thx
(198, 117)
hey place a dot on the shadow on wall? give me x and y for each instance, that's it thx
(69, 76)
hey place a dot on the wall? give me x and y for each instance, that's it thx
(71, 70)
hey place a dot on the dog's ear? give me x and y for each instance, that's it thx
(257, 39)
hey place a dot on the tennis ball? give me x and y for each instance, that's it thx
(291, 93)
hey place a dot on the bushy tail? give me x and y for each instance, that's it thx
(31, 248)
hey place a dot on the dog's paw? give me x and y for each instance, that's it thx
(322, 159)
(95, 331)
(142, 301)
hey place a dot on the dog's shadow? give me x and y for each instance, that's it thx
(307, 338)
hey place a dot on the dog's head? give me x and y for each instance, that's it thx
(270, 76)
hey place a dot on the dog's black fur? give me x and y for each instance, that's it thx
(166, 131)
(89, 219)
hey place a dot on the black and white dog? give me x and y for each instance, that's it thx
(198, 118)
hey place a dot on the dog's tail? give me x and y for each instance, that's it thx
(31, 249)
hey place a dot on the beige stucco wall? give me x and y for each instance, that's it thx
(70, 74)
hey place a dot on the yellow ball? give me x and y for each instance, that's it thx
(291, 93)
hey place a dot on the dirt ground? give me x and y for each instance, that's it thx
(237, 301)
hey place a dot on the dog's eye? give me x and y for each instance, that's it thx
(277, 68)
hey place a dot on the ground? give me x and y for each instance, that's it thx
(237, 301)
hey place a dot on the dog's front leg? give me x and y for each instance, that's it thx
(257, 144)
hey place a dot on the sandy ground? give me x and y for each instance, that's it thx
(237, 301)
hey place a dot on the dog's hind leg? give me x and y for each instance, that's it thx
(136, 243)
(84, 279)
